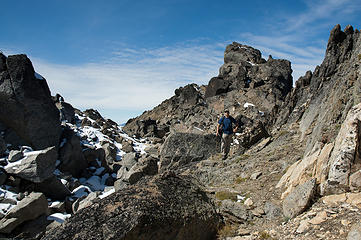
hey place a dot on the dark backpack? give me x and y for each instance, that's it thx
(220, 129)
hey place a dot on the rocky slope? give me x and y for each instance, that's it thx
(294, 170)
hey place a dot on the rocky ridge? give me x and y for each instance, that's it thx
(293, 173)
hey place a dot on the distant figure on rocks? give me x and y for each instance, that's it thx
(225, 130)
(60, 100)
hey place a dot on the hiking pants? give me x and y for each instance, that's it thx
(226, 143)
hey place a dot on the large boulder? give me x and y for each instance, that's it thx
(345, 153)
(67, 112)
(26, 105)
(166, 207)
(145, 166)
(216, 86)
(237, 53)
(27, 209)
(37, 166)
(53, 188)
(180, 149)
(71, 154)
(110, 152)
(298, 200)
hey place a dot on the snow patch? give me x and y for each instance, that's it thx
(240, 198)
(106, 194)
(81, 191)
(246, 105)
(59, 217)
(199, 129)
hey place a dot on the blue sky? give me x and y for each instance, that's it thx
(124, 57)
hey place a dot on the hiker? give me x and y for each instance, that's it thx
(224, 128)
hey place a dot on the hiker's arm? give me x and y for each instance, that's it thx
(217, 129)
(236, 128)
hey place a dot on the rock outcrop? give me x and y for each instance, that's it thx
(26, 106)
(29, 208)
(180, 149)
(36, 167)
(167, 207)
(245, 79)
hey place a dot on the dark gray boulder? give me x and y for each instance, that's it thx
(237, 53)
(234, 211)
(36, 166)
(188, 95)
(145, 166)
(53, 188)
(67, 112)
(165, 207)
(110, 152)
(27, 209)
(217, 86)
(129, 160)
(71, 154)
(26, 105)
(180, 149)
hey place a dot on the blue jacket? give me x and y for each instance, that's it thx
(227, 124)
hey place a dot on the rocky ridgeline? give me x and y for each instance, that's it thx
(250, 87)
(294, 170)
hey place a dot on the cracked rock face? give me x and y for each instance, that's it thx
(25, 103)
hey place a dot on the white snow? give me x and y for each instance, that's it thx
(199, 129)
(107, 193)
(6, 194)
(14, 165)
(240, 198)
(59, 217)
(53, 204)
(5, 207)
(251, 63)
(81, 191)
(38, 76)
(246, 105)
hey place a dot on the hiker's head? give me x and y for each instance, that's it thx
(226, 113)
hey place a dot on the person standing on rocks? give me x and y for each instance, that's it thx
(225, 129)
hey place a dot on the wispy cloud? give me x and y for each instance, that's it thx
(321, 11)
(133, 79)
(298, 37)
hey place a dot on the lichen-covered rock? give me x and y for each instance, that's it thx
(166, 207)
(180, 149)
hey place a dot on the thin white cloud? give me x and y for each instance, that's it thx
(135, 79)
(321, 10)
(291, 41)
